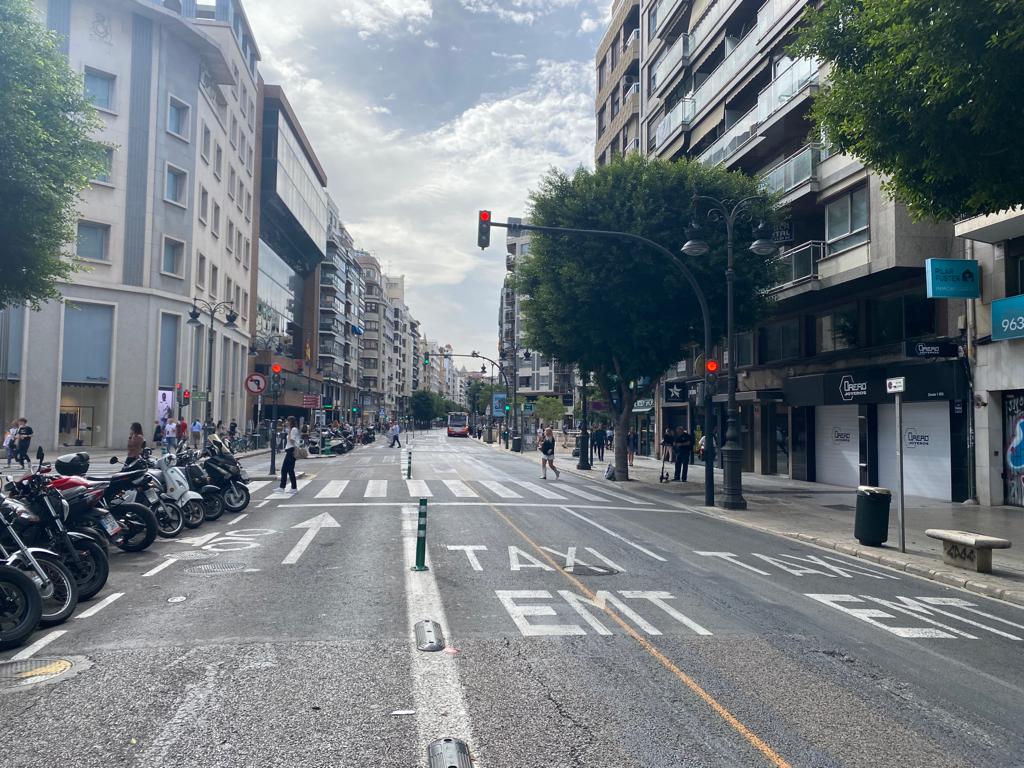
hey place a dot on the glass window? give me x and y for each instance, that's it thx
(230, 245)
(92, 241)
(214, 278)
(218, 159)
(233, 134)
(215, 225)
(886, 320)
(201, 271)
(244, 309)
(238, 243)
(836, 330)
(106, 172)
(919, 315)
(248, 205)
(858, 209)
(744, 349)
(780, 341)
(837, 218)
(846, 220)
(177, 118)
(176, 190)
(99, 89)
(174, 254)
(245, 253)
(88, 334)
(204, 204)
(207, 141)
(168, 372)
(231, 181)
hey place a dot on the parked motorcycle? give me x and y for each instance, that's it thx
(227, 474)
(20, 607)
(176, 506)
(199, 482)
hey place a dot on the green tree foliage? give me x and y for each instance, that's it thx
(549, 410)
(927, 93)
(46, 157)
(422, 405)
(619, 309)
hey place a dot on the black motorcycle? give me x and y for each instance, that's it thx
(227, 474)
(20, 607)
(199, 481)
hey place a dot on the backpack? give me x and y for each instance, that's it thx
(609, 472)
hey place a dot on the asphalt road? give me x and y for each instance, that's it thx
(587, 624)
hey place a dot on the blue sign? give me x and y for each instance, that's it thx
(1008, 318)
(498, 400)
(952, 279)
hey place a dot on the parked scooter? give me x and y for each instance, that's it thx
(199, 482)
(183, 507)
(227, 474)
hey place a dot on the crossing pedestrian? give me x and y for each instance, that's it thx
(24, 440)
(170, 435)
(288, 465)
(547, 450)
(682, 446)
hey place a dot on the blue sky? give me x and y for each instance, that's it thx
(423, 111)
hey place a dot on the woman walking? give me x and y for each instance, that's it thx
(631, 445)
(288, 465)
(547, 451)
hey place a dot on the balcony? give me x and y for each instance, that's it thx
(799, 264)
(329, 304)
(662, 12)
(632, 146)
(993, 227)
(328, 349)
(329, 281)
(330, 328)
(771, 12)
(681, 114)
(735, 137)
(734, 61)
(790, 82)
(793, 172)
(673, 58)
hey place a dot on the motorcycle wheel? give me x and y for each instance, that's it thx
(20, 607)
(91, 569)
(193, 514)
(169, 520)
(213, 506)
(140, 522)
(61, 596)
(236, 497)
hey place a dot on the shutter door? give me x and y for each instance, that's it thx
(837, 445)
(927, 468)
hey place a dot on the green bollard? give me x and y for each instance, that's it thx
(421, 539)
(408, 471)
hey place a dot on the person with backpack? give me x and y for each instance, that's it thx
(547, 451)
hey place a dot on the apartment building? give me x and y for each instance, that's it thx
(377, 390)
(849, 304)
(432, 377)
(405, 347)
(618, 84)
(171, 82)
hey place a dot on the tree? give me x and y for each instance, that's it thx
(549, 410)
(616, 308)
(46, 157)
(421, 403)
(927, 93)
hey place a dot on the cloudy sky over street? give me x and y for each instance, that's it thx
(423, 111)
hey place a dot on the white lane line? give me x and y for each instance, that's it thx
(418, 488)
(332, 490)
(566, 488)
(239, 518)
(460, 489)
(38, 645)
(258, 505)
(255, 485)
(437, 690)
(165, 564)
(620, 496)
(376, 488)
(547, 505)
(100, 605)
(501, 490)
(286, 492)
(615, 535)
(542, 492)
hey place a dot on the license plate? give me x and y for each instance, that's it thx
(152, 495)
(109, 524)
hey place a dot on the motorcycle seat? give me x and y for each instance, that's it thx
(119, 477)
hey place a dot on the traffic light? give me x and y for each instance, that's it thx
(355, 409)
(186, 397)
(711, 375)
(426, 359)
(276, 368)
(483, 229)
(507, 407)
(178, 395)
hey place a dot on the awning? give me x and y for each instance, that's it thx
(708, 124)
(752, 396)
(644, 409)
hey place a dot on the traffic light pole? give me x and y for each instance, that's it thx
(273, 437)
(709, 450)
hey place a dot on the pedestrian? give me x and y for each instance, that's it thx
(600, 436)
(565, 434)
(682, 446)
(170, 435)
(232, 429)
(610, 438)
(395, 432)
(288, 465)
(197, 433)
(158, 434)
(135, 443)
(632, 443)
(666, 445)
(182, 430)
(219, 429)
(11, 441)
(547, 450)
(24, 440)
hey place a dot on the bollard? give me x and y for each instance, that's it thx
(421, 539)
(408, 471)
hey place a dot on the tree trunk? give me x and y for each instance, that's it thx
(621, 454)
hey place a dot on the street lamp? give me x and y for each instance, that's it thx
(229, 324)
(729, 213)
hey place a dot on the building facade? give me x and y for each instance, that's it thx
(617, 105)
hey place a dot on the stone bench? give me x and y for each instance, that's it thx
(968, 550)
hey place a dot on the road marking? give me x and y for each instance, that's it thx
(260, 505)
(658, 599)
(515, 563)
(283, 493)
(615, 535)
(376, 488)
(460, 489)
(566, 488)
(312, 526)
(542, 492)
(620, 496)
(332, 490)
(100, 605)
(470, 550)
(418, 489)
(499, 489)
(38, 645)
(239, 518)
(165, 564)
(255, 485)
(556, 505)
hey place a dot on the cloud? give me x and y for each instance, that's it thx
(430, 43)
(517, 11)
(378, 110)
(368, 17)
(588, 25)
(516, 62)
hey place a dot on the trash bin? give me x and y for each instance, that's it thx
(517, 444)
(871, 524)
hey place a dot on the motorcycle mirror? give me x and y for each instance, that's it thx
(114, 460)
(39, 453)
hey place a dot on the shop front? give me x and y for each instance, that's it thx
(643, 425)
(843, 428)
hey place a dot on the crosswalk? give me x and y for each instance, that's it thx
(446, 490)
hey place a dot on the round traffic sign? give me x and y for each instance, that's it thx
(255, 383)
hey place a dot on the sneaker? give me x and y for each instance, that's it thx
(292, 491)
(557, 474)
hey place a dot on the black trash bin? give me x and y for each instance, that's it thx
(871, 524)
(517, 444)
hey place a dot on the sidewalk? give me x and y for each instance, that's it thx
(823, 515)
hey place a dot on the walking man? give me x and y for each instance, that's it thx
(682, 447)
(197, 433)
(170, 435)
(24, 440)
(395, 430)
(600, 436)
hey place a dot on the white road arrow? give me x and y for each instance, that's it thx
(313, 527)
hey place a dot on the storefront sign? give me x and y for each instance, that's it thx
(675, 392)
(696, 391)
(1008, 318)
(898, 384)
(850, 388)
(952, 279)
(915, 438)
(841, 436)
(931, 349)
(643, 404)
(939, 380)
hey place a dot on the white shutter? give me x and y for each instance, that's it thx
(837, 445)
(927, 468)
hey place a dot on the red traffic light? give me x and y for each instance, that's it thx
(485, 215)
(276, 368)
(711, 366)
(179, 386)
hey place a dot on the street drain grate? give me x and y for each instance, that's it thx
(215, 569)
(20, 674)
(197, 555)
(589, 570)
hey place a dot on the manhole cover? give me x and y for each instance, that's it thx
(19, 674)
(199, 554)
(589, 570)
(214, 569)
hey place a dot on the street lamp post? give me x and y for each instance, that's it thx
(729, 213)
(583, 443)
(229, 324)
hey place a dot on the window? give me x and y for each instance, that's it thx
(176, 186)
(204, 204)
(218, 159)
(244, 101)
(232, 179)
(207, 141)
(836, 330)
(174, 257)
(234, 84)
(372, 325)
(228, 287)
(252, 114)
(99, 89)
(240, 195)
(245, 253)
(249, 163)
(238, 296)
(215, 228)
(233, 134)
(370, 344)
(744, 349)
(238, 243)
(201, 271)
(243, 145)
(846, 220)
(104, 175)
(177, 118)
(244, 308)
(230, 245)
(248, 206)
(897, 318)
(371, 306)
(780, 341)
(93, 241)
(214, 277)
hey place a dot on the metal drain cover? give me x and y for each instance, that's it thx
(20, 674)
(199, 554)
(590, 570)
(215, 569)
(429, 636)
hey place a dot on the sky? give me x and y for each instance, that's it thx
(422, 112)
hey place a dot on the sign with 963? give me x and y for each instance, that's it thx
(1008, 318)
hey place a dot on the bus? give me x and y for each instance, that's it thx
(458, 425)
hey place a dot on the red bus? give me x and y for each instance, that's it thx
(458, 425)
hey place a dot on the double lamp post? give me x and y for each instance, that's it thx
(230, 316)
